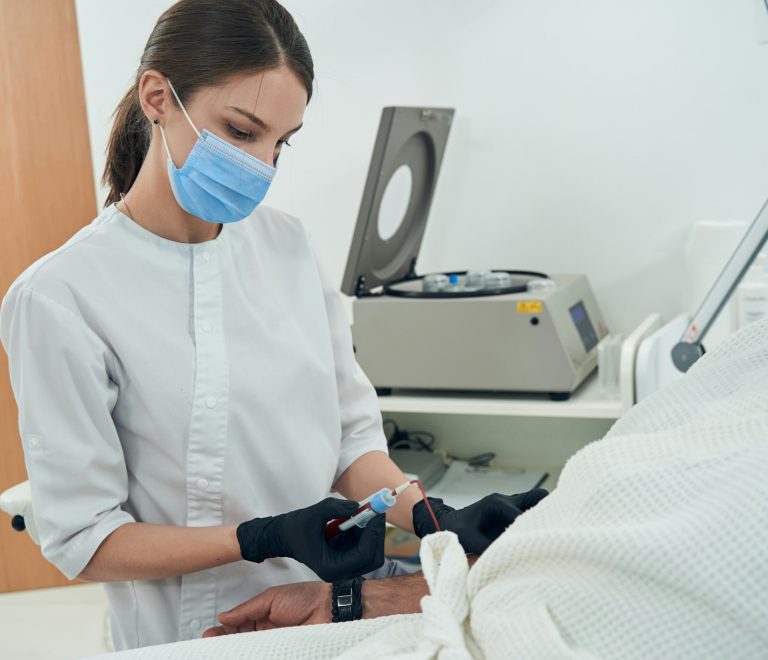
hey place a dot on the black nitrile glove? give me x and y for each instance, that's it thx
(479, 524)
(300, 535)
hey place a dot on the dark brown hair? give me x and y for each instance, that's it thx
(196, 44)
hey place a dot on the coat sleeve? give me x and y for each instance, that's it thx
(361, 423)
(59, 372)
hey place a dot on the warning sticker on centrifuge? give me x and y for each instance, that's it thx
(529, 307)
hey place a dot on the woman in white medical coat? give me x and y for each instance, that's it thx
(187, 390)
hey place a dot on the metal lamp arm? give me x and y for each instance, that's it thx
(690, 348)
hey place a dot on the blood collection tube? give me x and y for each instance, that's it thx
(380, 502)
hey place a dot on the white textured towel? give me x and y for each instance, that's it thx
(655, 544)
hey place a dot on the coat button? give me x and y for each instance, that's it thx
(202, 484)
(195, 624)
(207, 326)
(211, 402)
(207, 256)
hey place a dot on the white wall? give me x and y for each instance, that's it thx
(589, 135)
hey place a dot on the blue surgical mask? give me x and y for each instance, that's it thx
(218, 182)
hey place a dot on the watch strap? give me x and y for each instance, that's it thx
(346, 600)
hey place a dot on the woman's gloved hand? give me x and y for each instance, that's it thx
(479, 524)
(300, 535)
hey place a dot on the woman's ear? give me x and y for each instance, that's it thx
(154, 95)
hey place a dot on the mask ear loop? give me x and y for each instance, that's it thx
(189, 119)
(165, 142)
(183, 109)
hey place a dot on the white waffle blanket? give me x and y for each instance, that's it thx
(654, 545)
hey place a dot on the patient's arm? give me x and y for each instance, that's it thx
(306, 603)
(397, 595)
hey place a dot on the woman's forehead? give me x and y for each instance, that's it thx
(276, 96)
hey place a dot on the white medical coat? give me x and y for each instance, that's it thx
(181, 384)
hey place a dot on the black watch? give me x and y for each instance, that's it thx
(347, 600)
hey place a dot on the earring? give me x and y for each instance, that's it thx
(156, 121)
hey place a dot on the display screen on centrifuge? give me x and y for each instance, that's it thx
(584, 326)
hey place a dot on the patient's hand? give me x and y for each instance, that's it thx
(305, 603)
(297, 604)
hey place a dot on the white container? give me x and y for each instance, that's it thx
(752, 295)
(608, 365)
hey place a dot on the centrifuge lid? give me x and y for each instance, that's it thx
(410, 137)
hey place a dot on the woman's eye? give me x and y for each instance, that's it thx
(283, 142)
(238, 134)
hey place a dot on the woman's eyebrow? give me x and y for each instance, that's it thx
(256, 120)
